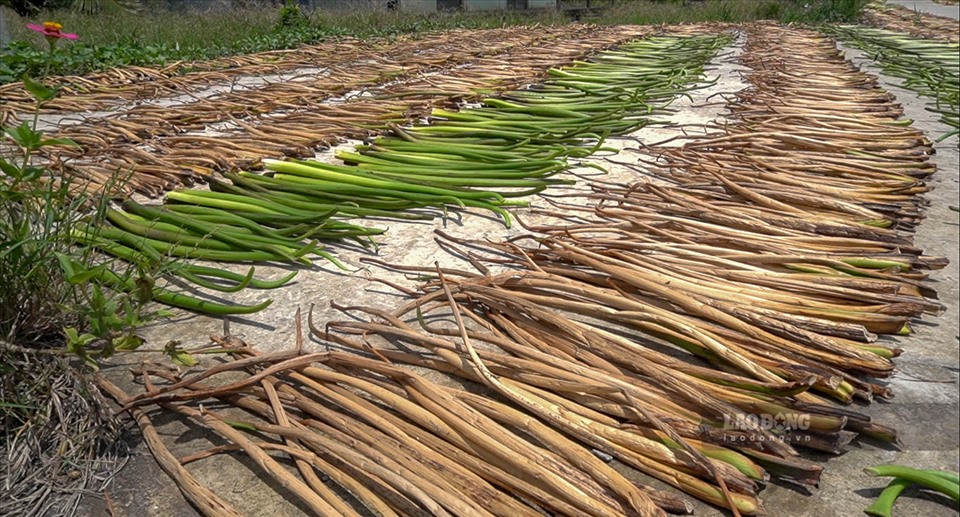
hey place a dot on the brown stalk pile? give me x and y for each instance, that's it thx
(391, 442)
(919, 24)
(163, 147)
(104, 90)
(704, 327)
(752, 276)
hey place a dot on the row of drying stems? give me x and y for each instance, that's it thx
(771, 279)
(911, 21)
(486, 158)
(165, 145)
(702, 326)
(930, 68)
(119, 88)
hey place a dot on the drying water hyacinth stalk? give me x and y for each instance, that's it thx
(930, 68)
(435, 450)
(769, 300)
(103, 90)
(484, 158)
(166, 146)
(704, 329)
(920, 24)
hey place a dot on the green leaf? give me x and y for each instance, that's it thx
(58, 141)
(39, 92)
(10, 169)
(111, 320)
(178, 356)
(76, 342)
(182, 358)
(131, 318)
(11, 405)
(240, 425)
(24, 136)
(32, 173)
(110, 307)
(82, 277)
(97, 326)
(127, 342)
(97, 300)
(89, 360)
(66, 264)
(72, 335)
(8, 194)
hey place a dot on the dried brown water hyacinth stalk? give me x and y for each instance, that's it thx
(104, 90)
(919, 24)
(394, 442)
(394, 55)
(280, 99)
(161, 152)
(659, 328)
(843, 156)
(208, 502)
(801, 183)
(336, 74)
(721, 289)
(116, 88)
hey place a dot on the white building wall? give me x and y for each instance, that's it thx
(484, 5)
(473, 5)
(423, 6)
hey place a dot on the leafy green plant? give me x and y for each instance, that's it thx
(59, 440)
(34, 213)
(112, 318)
(47, 279)
(119, 37)
(291, 16)
(51, 282)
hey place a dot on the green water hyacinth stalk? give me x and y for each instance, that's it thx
(433, 192)
(490, 158)
(947, 483)
(930, 68)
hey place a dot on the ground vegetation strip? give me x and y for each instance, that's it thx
(745, 276)
(177, 40)
(174, 37)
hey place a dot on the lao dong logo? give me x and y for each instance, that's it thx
(779, 426)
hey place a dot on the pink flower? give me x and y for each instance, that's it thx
(52, 31)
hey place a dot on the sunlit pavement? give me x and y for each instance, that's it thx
(930, 7)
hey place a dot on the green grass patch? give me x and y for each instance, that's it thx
(118, 38)
(122, 38)
(652, 12)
